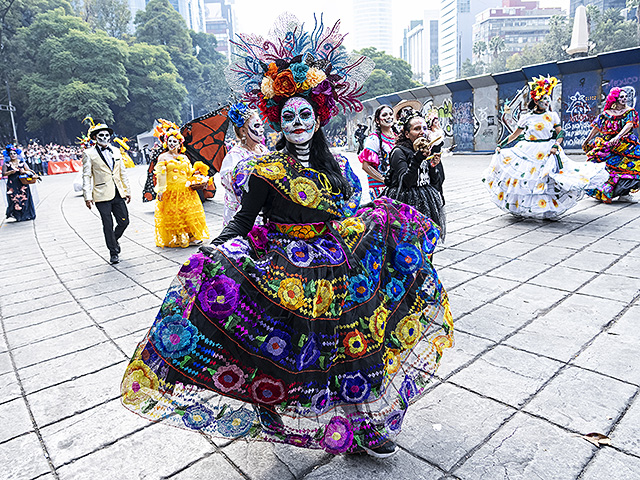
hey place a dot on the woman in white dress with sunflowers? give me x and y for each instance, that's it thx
(535, 178)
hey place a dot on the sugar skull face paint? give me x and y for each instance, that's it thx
(173, 143)
(543, 103)
(255, 129)
(102, 138)
(298, 120)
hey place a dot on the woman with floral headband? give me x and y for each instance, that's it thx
(416, 174)
(238, 163)
(535, 178)
(377, 147)
(179, 214)
(319, 328)
(612, 142)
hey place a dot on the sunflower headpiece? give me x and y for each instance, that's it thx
(291, 62)
(542, 86)
(168, 129)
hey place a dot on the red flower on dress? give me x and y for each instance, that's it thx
(268, 390)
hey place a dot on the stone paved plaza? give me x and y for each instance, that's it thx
(547, 349)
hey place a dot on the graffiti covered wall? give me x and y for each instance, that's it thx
(627, 78)
(463, 120)
(485, 101)
(579, 106)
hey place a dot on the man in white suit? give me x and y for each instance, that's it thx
(105, 183)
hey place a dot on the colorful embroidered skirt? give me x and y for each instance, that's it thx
(528, 181)
(338, 330)
(623, 165)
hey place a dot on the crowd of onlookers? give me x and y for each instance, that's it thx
(38, 156)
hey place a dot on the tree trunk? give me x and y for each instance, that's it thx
(63, 139)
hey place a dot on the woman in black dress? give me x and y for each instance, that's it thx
(416, 174)
(19, 200)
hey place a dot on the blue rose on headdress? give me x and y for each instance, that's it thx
(299, 71)
(237, 114)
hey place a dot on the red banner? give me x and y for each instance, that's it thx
(68, 166)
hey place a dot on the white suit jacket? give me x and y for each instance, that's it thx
(99, 182)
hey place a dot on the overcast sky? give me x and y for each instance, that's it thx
(257, 16)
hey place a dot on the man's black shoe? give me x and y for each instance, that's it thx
(114, 259)
(118, 246)
(382, 451)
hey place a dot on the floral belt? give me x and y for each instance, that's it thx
(299, 230)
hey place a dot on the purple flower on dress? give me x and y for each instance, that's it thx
(338, 435)
(193, 266)
(408, 389)
(236, 423)
(355, 387)
(175, 337)
(331, 250)
(321, 401)
(277, 345)
(408, 258)
(299, 254)
(393, 422)
(236, 247)
(197, 417)
(309, 354)
(219, 296)
(298, 440)
(258, 237)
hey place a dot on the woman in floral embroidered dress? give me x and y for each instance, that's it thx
(321, 327)
(377, 147)
(237, 164)
(535, 178)
(615, 144)
(19, 198)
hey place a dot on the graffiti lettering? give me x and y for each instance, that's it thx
(578, 109)
(623, 81)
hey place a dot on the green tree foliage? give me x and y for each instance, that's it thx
(112, 16)
(397, 72)
(609, 31)
(470, 69)
(434, 72)
(66, 72)
(154, 90)
(160, 24)
(551, 49)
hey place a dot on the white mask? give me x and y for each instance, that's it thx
(102, 138)
(173, 143)
(298, 121)
(255, 129)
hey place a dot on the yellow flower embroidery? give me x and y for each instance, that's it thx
(515, 182)
(351, 225)
(539, 126)
(391, 361)
(501, 196)
(508, 182)
(138, 381)
(324, 297)
(291, 293)
(540, 156)
(546, 117)
(540, 186)
(555, 204)
(533, 169)
(378, 323)
(506, 160)
(542, 203)
(304, 192)
(272, 171)
(532, 137)
(408, 331)
(491, 184)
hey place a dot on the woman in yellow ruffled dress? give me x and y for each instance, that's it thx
(179, 215)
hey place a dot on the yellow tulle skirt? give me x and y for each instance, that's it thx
(180, 218)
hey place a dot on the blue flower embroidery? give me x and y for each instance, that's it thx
(197, 417)
(331, 251)
(408, 258)
(408, 389)
(299, 254)
(359, 288)
(277, 345)
(321, 401)
(309, 354)
(236, 423)
(175, 337)
(394, 421)
(355, 387)
(394, 289)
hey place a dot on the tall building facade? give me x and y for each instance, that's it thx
(192, 11)
(219, 22)
(372, 25)
(454, 40)
(519, 23)
(601, 4)
(420, 46)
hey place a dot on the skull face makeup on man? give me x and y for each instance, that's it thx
(298, 121)
(102, 138)
(255, 129)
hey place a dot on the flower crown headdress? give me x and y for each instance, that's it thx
(291, 62)
(406, 115)
(168, 129)
(542, 86)
(239, 113)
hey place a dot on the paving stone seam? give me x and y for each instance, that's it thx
(40, 340)
(23, 395)
(44, 321)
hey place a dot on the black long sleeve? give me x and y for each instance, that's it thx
(405, 165)
(252, 203)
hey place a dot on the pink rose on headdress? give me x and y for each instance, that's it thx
(284, 84)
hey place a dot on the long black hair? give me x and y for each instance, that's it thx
(376, 123)
(402, 139)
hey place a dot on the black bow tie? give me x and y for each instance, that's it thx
(104, 148)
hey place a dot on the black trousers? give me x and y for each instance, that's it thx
(108, 210)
